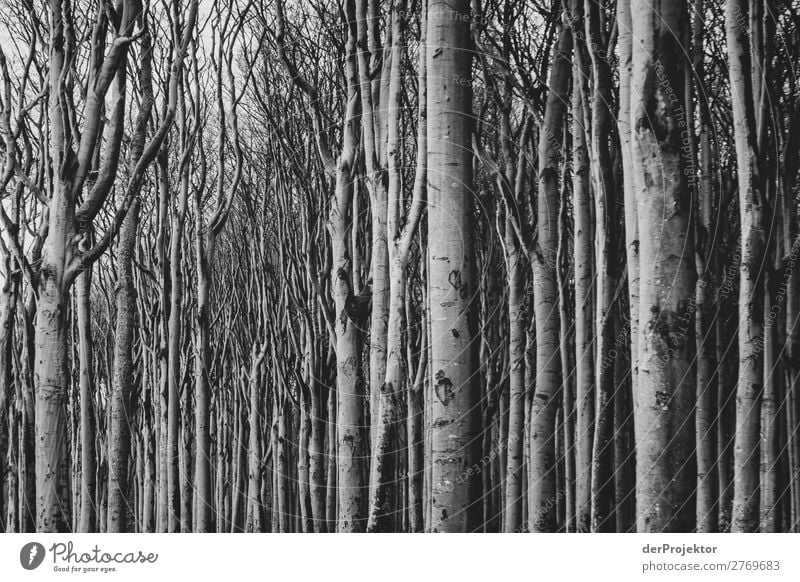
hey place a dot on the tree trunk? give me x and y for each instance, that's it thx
(517, 310)
(705, 327)
(88, 517)
(52, 327)
(770, 494)
(119, 437)
(451, 278)
(416, 440)
(751, 283)
(50, 371)
(349, 382)
(625, 44)
(254, 519)
(317, 456)
(516, 381)
(546, 304)
(332, 495)
(665, 386)
(606, 281)
(384, 491)
(584, 285)
(202, 475)
(175, 339)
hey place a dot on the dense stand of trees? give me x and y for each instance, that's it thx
(399, 265)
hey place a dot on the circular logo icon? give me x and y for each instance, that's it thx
(31, 555)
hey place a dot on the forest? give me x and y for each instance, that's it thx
(399, 266)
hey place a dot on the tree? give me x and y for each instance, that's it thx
(751, 282)
(665, 383)
(546, 297)
(451, 272)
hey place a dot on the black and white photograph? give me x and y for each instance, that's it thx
(400, 266)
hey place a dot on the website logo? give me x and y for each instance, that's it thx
(31, 555)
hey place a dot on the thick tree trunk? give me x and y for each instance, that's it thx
(665, 386)
(52, 328)
(451, 278)
(51, 372)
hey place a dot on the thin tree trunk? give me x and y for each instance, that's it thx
(174, 336)
(204, 254)
(119, 438)
(769, 517)
(516, 363)
(567, 417)
(254, 519)
(584, 283)
(331, 499)
(372, 106)
(349, 386)
(624, 438)
(317, 458)
(726, 383)
(793, 380)
(517, 336)
(384, 493)
(238, 506)
(751, 283)
(284, 491)
(546, 303)
(416, 439)
(88, 517)
(303, 436)
(705, 327)
(606, 281)
(625, 44)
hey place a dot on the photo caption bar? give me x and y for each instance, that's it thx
(397, 557)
